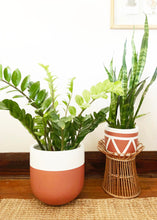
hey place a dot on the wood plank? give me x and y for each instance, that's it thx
(20, 188)
(13, 164)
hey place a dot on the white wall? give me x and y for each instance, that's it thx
(75, 39)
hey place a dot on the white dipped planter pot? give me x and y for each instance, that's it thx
(121, 141)
(57, 177)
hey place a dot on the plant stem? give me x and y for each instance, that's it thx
(17, 90)
(38, 141)
(62, 141)
(85, 108)
(66, 111)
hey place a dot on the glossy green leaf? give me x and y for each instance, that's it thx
(71, 84)
(46, 103)
(16, 77)
(72, 110)
(41, 96)
(25, 83)
(7, 74)
(17, 96)
(34, 89)
(1, 75)
(85, 105)
(86, 95)
(56, 104)
(3, 106)
(65, 103)
(61, 124)
(79, 100)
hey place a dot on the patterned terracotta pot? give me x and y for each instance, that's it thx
(57, 177)
(121, 141)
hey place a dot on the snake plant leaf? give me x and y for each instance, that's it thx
(72, 110)
(79, 100)
(145, 92)
(25, 83)
(112, 71)
(7, 74)
(16, 77)
(141, 115)
(134, 63)
(125, 78)
(143, 52)
(86, 96)
(120, 76)
(34, 89)
(41, 96)
(123, 107)
(109, 75)
(1, 74)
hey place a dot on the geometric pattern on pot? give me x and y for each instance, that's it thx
(119, 142)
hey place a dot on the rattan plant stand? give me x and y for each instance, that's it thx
(120, 177)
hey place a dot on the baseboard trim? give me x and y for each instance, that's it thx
(17, 164)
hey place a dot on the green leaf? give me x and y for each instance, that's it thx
(5, 87)
(16, 77)
(25, 83)
(11, 91)
(0, 71)
(7, 74)
(72, 110)
(86, 95)
(65, 103)
(143, 52)
(17, 96)
(51, 115)
(61, 124)
(55, 104)
(41, 96)
(71, 84)
(34, 89)
(67, 118)
(79, 100)
(3, 106)
(85, 105)
(46, 103)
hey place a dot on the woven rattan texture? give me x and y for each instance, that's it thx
(81, 209)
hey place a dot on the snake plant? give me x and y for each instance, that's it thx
(122, 112)
(52, 129)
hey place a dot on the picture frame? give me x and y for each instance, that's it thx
(129, 14)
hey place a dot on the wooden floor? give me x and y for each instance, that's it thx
(20, 188)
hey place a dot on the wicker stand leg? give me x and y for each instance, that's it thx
(120, 178)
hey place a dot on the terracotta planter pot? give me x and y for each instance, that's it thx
(57, 177)
(121, 141)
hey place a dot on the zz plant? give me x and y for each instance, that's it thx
(122, 111)
(52, 130)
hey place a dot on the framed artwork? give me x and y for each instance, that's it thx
(126, 14)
